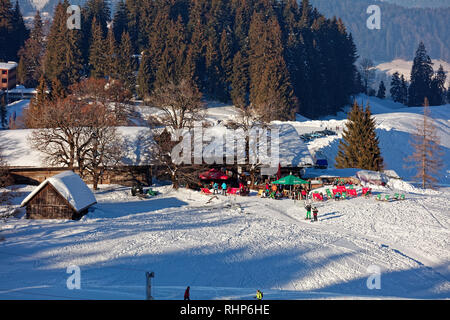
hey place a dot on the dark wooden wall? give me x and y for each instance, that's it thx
(49, 204)
(120, 175)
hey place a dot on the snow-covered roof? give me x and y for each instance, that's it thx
(71, 187)
(8, 65)
(310, 173)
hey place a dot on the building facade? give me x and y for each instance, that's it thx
(8, 75)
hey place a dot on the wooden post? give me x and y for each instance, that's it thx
(149, 276)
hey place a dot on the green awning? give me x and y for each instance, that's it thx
(290, 181)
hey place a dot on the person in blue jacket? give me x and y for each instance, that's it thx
(224, 189)
(215, 188)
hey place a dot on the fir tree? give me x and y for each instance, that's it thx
(396, 88)
(438, 92)
(13, 32)
(63, 58)
(271, 91)
(126, 66)
(97, 52)
(37, 104)
(381, 91)
(359, 145)
(404, 91)
(226, 66)
(111, 69)
(21, 33)
(120, 20)
(240, 81)
(421, 75)
(101, 12)
(145, 77)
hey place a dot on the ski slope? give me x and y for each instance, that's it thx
(227, 247)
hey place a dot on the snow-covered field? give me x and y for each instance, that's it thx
(229, 247)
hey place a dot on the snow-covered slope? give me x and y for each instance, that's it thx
(228, 247)
(404, 67)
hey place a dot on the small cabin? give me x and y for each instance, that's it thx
(63, 196)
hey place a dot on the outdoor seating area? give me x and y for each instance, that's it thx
(388, 197)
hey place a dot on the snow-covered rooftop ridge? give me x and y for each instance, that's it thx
(8, 65)
(71, 187)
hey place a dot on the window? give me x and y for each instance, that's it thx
(4, 80)
(4, 71)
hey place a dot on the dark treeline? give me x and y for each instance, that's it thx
(277, 56)
(13, 32)
(258, 52)
(402, 29)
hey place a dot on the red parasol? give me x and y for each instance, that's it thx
(213, 174)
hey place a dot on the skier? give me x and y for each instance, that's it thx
(259, 295)
(308, 211)
(315, 212)
(224, 189)
(186, 294)
(216, 188)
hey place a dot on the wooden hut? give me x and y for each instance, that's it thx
(63, 196)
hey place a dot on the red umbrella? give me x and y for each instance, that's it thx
(213, 174)
(279, 171)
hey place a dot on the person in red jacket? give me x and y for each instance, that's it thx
(186, 294)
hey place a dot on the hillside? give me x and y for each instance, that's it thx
(395, 123)
(401, 29)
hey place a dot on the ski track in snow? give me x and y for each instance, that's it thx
(225, 252)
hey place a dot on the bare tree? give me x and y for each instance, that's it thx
(105, 150)
(427, 151)
(180, 105)
(80, 130)
(247, 119)
(367, 71)
(63, 137)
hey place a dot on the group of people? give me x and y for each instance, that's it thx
(314, 210)
(223, 190)
(272, 192)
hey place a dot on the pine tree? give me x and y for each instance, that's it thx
(126, 66)
(226, 66)
(101, 12)
(37, 104)
(404, 91)
(438, 92)
(240, 81)
(427, 151)
(6, 30)
(448, 93)
(396, 89)
(13, 32)
(97, 52)
(63, 58)
(145, 77)
(120, 20)
(111, 69)
(421, 75)
(21, 33)
(271, 91)
(381, 91)
(359, 145)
